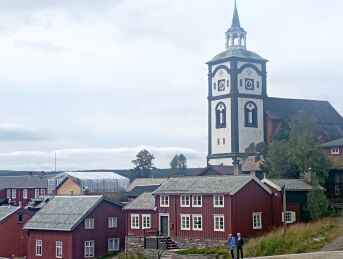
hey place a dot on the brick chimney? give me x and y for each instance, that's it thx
(310, 177)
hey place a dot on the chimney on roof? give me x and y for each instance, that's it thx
(30, 174)
(41, 175)
(20, 204)
(310, 177)
(237, 167)
(71, 193)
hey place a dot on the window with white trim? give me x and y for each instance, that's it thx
(197, 201)
(8, 193)
(197, 222)
(218, 201)
(135, 221)
(335, 151)
(218, 222)
(89, 223)
(164, 201)
(112, 222)
(146, 221)
(185, 201)
(185, 222)
(113, 244)
(290, 217)
(42, 191)
(89, 248)
(36, 193)
(59, 249)
(14, 193)
(257, 220)
(24, 193)
(337, 189)
(39, 247)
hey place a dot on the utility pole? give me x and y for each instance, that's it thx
(284, 209)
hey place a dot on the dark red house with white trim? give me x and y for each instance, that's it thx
(13, 239)
(201, 211)
(20, 189)
(76, 227)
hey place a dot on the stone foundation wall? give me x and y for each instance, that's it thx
(134, 245)
(151, 253)
(195, 243)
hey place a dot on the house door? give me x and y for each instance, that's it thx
(164, 225)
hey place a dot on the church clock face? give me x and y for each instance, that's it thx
(221, 85)
(249, 84)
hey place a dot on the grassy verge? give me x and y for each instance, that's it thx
(300, 238)
(121, 256)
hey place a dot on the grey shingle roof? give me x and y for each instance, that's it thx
(334, 143)
(138, 190)
(145, 201)
(5, 211)
(145, 182)
(293, 184)
(207, 184)
(63, 213)
(24, 181)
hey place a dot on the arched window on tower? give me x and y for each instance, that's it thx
(220, 116)
(250, 115)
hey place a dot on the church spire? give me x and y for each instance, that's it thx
(236, 35)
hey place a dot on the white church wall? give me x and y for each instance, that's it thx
(218, 135)
(221, 76)
(248, 135)
(221, 161)
(250, 74)
(241, 63)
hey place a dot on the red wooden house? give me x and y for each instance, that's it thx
(20, 189)
(75, 227)
(202, 211)
(13, 239)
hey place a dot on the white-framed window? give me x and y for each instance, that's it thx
(135, 221)
(146, 221)
(337, 189)
(8, 193)
(113, 244)
(335, 151)
(197, 201)
(218, 201)
(36, 193)
(164, 201)
(39, 247)
(185, 222)
(112, 222)
(218, 222)
(89, 223)
(42, 191)
(197, 222)
(289, 216)
(24, 193)
(185, 201)
(59, 249)
(257, 220)
(14, 193)
(89, 248)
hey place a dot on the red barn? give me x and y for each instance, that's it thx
(75, 227)
(202, 211)
(20, 189)
(13, 239)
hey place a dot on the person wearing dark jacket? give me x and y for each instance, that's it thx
(239, 244)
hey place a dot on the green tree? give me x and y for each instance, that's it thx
(291, 157)
(143, 165)
(317, 204)
(178, 164)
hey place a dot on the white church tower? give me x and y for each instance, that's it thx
(237, 88)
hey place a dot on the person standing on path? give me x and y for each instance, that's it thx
(240, 244)
(232, 245)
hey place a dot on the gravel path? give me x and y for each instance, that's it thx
(336, 244)
(322, 255)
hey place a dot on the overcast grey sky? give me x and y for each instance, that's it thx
(98, 80)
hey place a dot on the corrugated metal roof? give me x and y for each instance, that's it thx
(94, 182)
(63, 213)
(208, 184)
(24, 181)
(145, 201)
(5, 211)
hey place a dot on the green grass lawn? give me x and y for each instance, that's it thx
(300, 238)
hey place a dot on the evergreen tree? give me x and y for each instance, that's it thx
(178, 164)
(317, 204)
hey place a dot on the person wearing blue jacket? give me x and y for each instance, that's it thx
(232, 245)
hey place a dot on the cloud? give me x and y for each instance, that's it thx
(17, 132)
